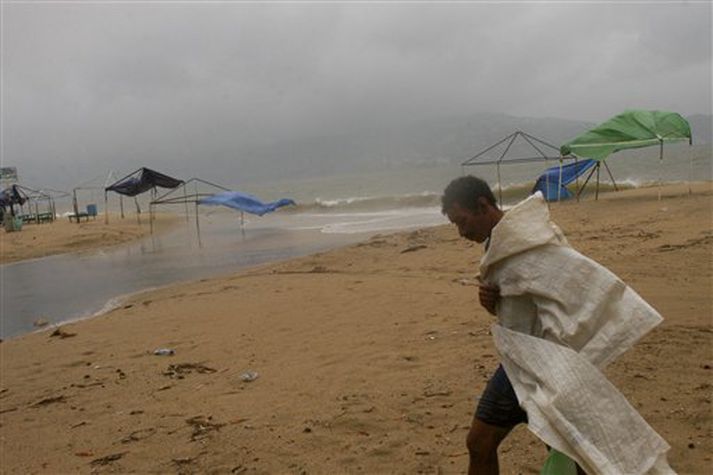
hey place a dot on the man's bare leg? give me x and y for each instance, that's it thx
(483, 441)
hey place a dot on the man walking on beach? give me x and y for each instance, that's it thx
(560, 318)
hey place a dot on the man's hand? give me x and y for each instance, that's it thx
(489, 296)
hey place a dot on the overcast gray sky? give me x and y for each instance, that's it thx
(97, 81)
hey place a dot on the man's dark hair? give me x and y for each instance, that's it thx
(465, 191)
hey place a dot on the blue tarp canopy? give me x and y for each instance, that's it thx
(244, 202)
(548, 182)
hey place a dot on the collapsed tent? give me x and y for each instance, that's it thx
(555, 189)
(143, 180)
(628, 130)
(245, 202)
(140, 181)
(11, 196)
(22, 196)
(200, 192)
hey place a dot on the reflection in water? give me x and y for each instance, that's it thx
(70, 286)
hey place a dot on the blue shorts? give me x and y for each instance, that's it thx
(498, 405)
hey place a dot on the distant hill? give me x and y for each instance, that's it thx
(449, 140)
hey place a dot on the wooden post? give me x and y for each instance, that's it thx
(74, 203)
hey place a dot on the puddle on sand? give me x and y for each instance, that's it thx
(70, 286)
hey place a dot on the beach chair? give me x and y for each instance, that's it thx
(92, 210)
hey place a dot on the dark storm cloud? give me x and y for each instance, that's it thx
(90, 83)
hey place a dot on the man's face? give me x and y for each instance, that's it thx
(472, 225)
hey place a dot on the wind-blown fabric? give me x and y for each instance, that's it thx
(143, 180)
(548, 183)
(245, 202)
(630, 129)
(563, 317)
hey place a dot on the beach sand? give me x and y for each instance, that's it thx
(369, 358)
(61, 236)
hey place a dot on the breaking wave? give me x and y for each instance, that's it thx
(428, 199)
(510, 194)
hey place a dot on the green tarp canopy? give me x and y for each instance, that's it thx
(630, 129)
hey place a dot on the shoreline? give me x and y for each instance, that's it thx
(369, 357)
(61, 237)
(104, 279)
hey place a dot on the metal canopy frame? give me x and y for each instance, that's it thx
(172, 197)
(90, 185)
(480, 159)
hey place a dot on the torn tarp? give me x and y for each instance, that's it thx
(548, 182)
(244, 202)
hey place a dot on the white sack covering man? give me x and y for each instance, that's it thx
(561, 317)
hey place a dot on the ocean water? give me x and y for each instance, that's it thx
(332, 211)
(409, 196)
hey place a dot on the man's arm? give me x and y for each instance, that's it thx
(489, 296)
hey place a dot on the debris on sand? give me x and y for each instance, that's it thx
(178, 371)
(107, 459)
(202, 426)
(62, 334)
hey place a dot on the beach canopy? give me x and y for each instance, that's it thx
(630, 129)
(142, 180)
(548, 182)
(245, 202)
(510, 150)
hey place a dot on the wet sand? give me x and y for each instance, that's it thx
(369, 358)
(61, 236)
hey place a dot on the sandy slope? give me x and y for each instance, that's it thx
(61, 236)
